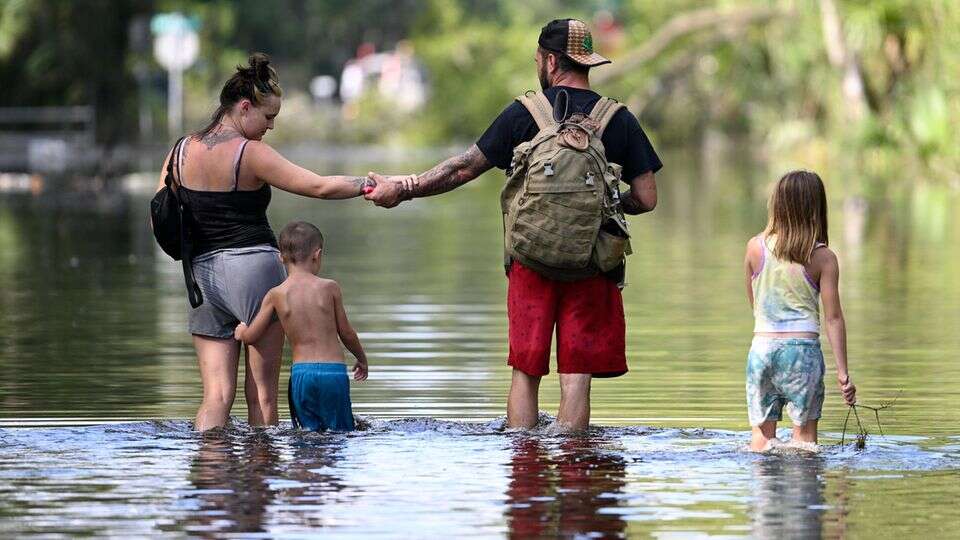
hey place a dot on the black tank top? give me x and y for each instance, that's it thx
(228, 219)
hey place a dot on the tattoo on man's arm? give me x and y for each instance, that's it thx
(452, 173)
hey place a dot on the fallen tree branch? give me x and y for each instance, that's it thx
(678, 68)
(861, 441)
(682, 25)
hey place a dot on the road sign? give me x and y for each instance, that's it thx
(176, 43)
(175, 46)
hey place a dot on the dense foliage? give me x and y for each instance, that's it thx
(874, 84)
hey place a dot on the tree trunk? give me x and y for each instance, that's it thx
(845, 61)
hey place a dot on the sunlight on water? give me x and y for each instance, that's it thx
(94, 351)
(433, 478)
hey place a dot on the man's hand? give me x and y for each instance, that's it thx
(239, 331)
(391, 190)
(360, 371)
(848, 390)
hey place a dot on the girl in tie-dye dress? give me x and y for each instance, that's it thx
(789, 268)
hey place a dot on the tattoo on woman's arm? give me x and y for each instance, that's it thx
(452, 173)
(358, 182)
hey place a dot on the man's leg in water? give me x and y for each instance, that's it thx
(522, 405)
(806, 433)
(762, 435)
(574, 413)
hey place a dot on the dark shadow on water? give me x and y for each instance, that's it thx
(239, 473)
(229, 475)
(560, 488)
(313, 474)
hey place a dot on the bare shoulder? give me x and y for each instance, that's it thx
(276, 293)
(754, 249)
(259, 150)
(823, 255)
(823, 258)
(329, 285)
(325, 288)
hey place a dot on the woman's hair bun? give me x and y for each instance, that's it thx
(260, 66)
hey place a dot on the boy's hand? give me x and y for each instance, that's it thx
(239, 330)
(360, 371)
(848, 390)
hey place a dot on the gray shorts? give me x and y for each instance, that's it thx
(234, 282)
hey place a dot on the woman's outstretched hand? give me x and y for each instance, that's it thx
(390, 190)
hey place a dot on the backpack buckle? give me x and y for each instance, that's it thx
(590, 181)
(548, 169)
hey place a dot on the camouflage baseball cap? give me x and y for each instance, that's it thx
(572, 38)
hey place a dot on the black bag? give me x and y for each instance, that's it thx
(171, 219)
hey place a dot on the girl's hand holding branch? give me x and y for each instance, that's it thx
(848, 389)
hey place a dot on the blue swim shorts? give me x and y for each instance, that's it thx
(784, 371)
(319, 395)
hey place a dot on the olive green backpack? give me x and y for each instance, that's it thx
(562, 215)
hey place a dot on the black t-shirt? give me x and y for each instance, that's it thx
(624, 141)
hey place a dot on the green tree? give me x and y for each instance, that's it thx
(71, 53)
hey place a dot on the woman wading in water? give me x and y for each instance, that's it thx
(225, 173)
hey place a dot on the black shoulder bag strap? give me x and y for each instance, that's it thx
(186, 236)
(173, 161)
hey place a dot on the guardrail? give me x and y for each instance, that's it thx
(47, 139)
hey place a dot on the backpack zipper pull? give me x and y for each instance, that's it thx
(590, 181)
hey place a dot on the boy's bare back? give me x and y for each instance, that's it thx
(311, 311)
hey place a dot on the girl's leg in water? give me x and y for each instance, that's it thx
(762, 435)
(806, 433)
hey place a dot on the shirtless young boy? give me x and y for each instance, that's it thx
(311, 312)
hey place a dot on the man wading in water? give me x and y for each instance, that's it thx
(565, 236)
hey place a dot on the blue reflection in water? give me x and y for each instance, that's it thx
(787, 498)
(425, 477)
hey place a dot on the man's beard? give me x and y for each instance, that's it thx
(542, 75)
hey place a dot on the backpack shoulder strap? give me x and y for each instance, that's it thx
(539, 107)
(603, 112)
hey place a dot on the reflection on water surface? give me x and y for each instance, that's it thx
(93, 324)
(421, 477)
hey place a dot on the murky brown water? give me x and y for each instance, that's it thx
(92, 329)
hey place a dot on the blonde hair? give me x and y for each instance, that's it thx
(797, 216)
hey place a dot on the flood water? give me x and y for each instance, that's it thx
(98, 380)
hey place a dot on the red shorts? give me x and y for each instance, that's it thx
(588, 314)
